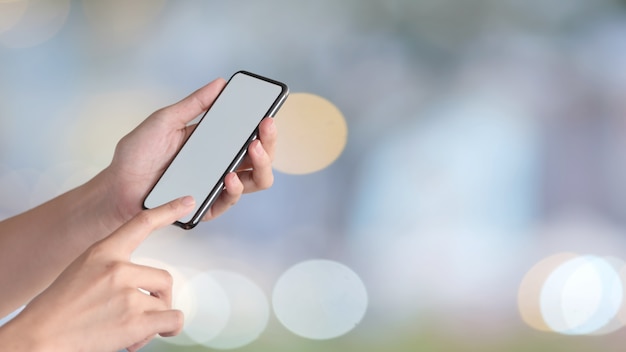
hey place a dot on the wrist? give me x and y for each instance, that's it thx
(100, 206)
(18, 337)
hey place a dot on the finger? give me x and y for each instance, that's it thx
(233, 188)
(157, 320)
(268, 136)
(261, 176)
(139, 345)
(130, 235)
(158, 282)
(197, 102)
(165, 322)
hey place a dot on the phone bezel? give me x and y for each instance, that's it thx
(219, 186)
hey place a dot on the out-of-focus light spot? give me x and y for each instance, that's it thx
(319, 299)
(105, 119)
(581, 296)
(11, 11)
(213, 309)
(530, 289)
(185, 298)
(249, 311)
(621, 315)
(183, 295)
(617, 322)
(186, 305)
(40, 21)
(313, 133)
(121, 21)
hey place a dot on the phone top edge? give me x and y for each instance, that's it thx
(214, 194)
(283, 86)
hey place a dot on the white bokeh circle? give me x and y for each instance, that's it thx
(212, 310)
(581, 296)
(249, 311)
(319, 299)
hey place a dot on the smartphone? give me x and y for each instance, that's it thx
(218, 144)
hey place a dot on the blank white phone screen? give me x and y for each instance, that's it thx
(216, 142)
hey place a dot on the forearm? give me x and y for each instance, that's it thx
(17, 337)
(37, 245)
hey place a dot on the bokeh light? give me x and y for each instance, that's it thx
(581, 296)
(181, 299)
(120, 22)
(212, 312)
(40, 21)
(530, 289)
(222, 309)
(574, 294)
(185, 298)
(249, 311)
(313, 133)
(319, 299)
(614, 286)
(11, 11)
(474, 126)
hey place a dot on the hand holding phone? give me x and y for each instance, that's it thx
(218, 144)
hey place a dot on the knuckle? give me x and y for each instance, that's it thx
(167, 278)
(163, 305)
(96, 251)
(128, 296)
(127, 303)
(114, 272)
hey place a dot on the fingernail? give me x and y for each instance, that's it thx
(188, 200)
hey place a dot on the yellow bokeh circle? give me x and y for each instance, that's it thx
(11, 12)
(312, 134)
(25, 24)
(121, 21)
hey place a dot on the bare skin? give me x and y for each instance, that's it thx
(38, 245)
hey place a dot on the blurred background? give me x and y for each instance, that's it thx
(461, 187)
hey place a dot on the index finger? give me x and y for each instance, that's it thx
(197, 102)
(130, 235)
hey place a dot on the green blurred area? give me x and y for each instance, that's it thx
(420, 339)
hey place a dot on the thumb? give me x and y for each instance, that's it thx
(130, 235)
(197, 102)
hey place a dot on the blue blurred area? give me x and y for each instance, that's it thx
(483, 136)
